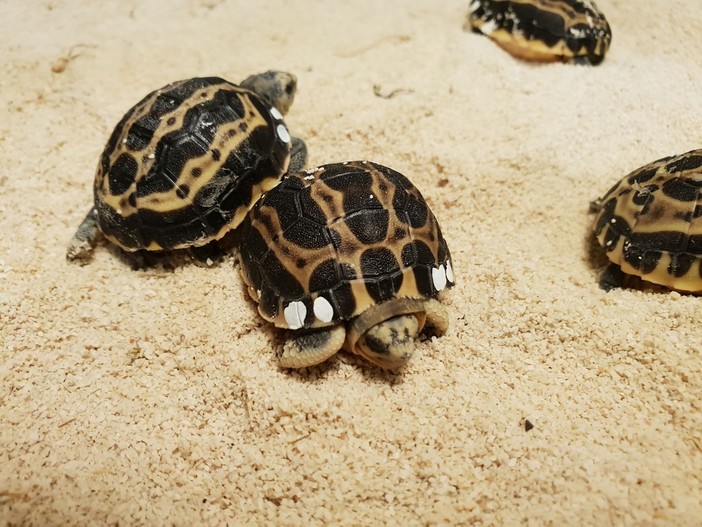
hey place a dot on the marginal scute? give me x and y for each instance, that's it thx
(273, 271)
(649, 223)
(345, 301)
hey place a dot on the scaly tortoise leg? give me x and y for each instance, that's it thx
(612, 277)
(81, 245)
(312, 348)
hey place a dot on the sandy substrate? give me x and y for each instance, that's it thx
(152, 397)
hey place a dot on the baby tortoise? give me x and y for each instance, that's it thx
(188, 161)
(650, 224)
(348, 255)
(544, 30)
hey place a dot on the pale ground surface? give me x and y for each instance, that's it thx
(152, 397)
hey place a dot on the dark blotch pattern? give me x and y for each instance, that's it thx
(643, 197)
(417, 212)
(310, 208)
(681, 190)
(642, 259)
(307, 234)
(642, 176)
(384, 288)
(324, 276)
(122, 174)
(685, 162)
(344, 302)
(680, 264)
(281, 279)
(378, 262)
(369, 226)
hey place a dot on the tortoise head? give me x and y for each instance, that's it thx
(389, 344)
(385, 333)
(275, 87)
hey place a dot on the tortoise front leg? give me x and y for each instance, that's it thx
(81, 245)
(312, 348)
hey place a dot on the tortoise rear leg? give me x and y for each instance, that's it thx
(437, 317)
(612, 277)
(81, 245)
(312, 348)
(208, 254)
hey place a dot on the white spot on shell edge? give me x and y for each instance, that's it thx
(276, 113)
(489, 27)
(323, 310)
(449, 271)
(283, 133)
(295, 313)
(438, 276)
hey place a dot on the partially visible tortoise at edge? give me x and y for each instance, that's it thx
(650, 224)
(544, 30)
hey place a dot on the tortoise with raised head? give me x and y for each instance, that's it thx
(187, 162)
(544, 30)
(650, 224)
(347, 255)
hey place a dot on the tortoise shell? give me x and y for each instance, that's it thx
(186, 163)
(329, 242)
(650, 222)
(546, 30)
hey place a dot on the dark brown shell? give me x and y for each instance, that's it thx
(329, 242)
(650, 222)
(186, 163)
(544, 29)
